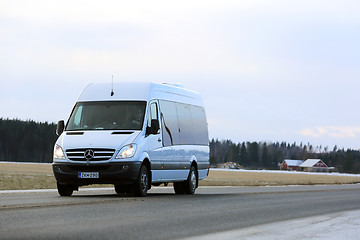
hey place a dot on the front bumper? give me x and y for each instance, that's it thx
(109, 173)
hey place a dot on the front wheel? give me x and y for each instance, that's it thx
(65, 190)
(141, 184)
(122, 189)
(179, 187)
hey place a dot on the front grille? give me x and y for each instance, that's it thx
(94, 168)
(99, 154)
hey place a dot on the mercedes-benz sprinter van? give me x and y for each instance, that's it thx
(133, 135)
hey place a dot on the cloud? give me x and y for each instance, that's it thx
(332, 131)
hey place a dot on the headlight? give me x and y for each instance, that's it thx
(58, 152)
(127, 151)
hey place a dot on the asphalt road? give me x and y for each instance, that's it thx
(163, 215)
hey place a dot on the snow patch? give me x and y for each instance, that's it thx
(340, 225)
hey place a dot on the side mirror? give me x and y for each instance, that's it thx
(154, 129)
(60, 127)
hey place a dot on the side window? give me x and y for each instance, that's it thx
(200, 130)
(169, 123)
(153, 113)
(185, 124)
(78, 116)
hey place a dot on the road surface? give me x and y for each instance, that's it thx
(101, 214)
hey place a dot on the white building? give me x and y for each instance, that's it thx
(314, 165)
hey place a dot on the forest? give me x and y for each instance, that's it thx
(26, 141)
(30, 141)
(268, 155)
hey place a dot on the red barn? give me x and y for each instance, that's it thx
(289, 164)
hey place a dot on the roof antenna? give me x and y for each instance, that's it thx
(112, 85)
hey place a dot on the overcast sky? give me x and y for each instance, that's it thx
(267, 70)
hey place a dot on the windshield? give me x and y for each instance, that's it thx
(122, 115)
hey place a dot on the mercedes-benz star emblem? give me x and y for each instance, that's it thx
(89, 154)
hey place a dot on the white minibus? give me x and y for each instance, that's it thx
(133, 135)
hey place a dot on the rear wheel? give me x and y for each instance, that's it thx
(141, 184)
(191, 183)
(65, 190)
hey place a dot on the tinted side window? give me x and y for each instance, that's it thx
(169, 122)
(77, 117)
(185, 123)
(200, 131)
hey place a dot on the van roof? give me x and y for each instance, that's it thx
(139, 92)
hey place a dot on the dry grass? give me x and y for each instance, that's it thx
(26, 168)
(39, 176)
(15, 176)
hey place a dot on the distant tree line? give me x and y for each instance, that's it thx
(267, 155)
(29, 141)
(26, 141)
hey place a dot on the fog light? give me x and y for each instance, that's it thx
(57, 168)
(125, 167)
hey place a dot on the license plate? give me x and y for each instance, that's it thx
(88, 175)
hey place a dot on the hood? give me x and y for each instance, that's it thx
(96, 139)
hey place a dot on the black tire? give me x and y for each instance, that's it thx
(190, 185)
(141, 184)
(65, 190)
(179, 187)
(191, 182)
(122, 189)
